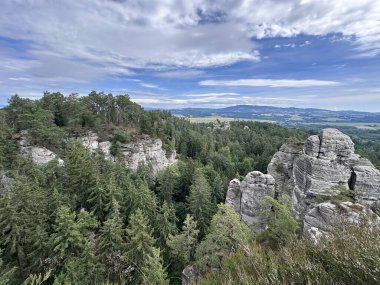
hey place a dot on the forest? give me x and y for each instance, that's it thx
(94, 221)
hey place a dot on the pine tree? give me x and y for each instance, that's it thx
(182, 246)
(200, 204)
(153, 271)
(140, 242)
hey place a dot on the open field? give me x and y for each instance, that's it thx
(211, 119)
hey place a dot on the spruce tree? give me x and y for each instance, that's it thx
(140, 242)
(225, 235)
(200, 204)
(153, 271)
(82, 172)
(182, 246)
(165, 223)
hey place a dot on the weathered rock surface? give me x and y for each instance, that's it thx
(246, 198)
(233, 197)
(304, 172)
(145, 150)
(148, 151)
(190, 275)
(325, 217)
(326, 160)
(39, 155)
(281, 167)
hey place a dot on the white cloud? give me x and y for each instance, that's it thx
(269, 83)
(214, 94)
(152, 86)
(181, 74)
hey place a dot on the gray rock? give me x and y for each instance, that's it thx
(329, 144)
(326, 217)
(40, 155)
(233, 197)
(281, 167)
(326, 160)
(190, 275)
(145, 150)
(249, 198)
(148, 151)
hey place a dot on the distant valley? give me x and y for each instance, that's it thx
(291, 117)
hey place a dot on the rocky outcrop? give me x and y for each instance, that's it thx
(325, 217)
(326, 160)
(145, 150)
(39, 155)
(281, 167)
(246, 198)
(190, 275)
(306, 172)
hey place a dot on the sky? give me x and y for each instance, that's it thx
(198, 53)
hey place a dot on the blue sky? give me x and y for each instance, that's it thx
(200, 53)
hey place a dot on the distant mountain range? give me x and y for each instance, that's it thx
(285, 116)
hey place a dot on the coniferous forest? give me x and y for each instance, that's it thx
(94, 221)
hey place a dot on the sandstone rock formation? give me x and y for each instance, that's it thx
(325, 217)
(39, 155)
(326, 160)
(305, 172)
(148, 151)
(246, 198)
(144, 150)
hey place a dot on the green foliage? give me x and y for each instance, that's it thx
(140, 243)
(153, 271)
(182, 245)
(200, 203)
(336, 193)
(71, 232)
(72, 219)
(349, 256)
(37, 279)
(226, 234)
(281, 225)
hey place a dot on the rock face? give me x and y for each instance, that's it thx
(325, 217)
(246, 198)
(281, 167)
(39, 155)
(304, 172)
(145, 150)
(148, 151)
(326, 160)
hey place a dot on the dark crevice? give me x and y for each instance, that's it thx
(352, 180)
